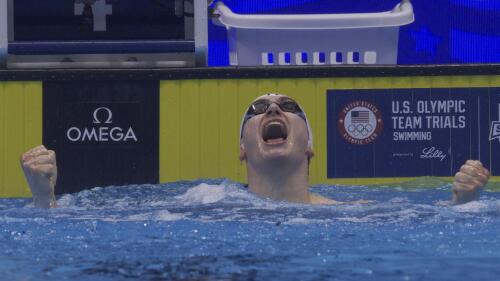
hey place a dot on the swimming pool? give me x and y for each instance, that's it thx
(217, 230)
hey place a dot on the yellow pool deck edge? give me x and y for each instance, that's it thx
(21, 129)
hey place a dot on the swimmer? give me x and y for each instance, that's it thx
(275, 143)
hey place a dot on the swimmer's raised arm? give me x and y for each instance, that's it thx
(469, 182)
(40, 169)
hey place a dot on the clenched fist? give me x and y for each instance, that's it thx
(469, 182)
(40, 169)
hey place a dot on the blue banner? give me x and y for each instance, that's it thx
(448, 31)
(411, 132)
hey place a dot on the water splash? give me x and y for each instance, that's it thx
(217, 229)
(223, 200)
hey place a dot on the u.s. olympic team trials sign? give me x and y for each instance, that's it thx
(411, 132)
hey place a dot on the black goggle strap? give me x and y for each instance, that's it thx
(244, 121)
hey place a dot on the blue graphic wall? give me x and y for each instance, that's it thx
(411, 132)
(444, 31)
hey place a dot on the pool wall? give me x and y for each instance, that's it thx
(148, 125)
(20, 128)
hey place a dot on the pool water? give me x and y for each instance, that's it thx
(218, 230)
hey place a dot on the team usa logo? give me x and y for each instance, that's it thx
(495, 127)
(360, 122)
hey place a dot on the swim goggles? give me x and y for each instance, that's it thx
(261, 106)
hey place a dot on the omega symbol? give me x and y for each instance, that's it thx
(110, 115)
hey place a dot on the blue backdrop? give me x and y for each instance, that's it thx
(444, 31)
(411, 132)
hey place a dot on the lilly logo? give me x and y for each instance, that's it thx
(103, 132)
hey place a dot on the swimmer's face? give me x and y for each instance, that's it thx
(277, 132)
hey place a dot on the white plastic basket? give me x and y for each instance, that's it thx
(321, 39)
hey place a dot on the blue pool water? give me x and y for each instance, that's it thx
(217, 230)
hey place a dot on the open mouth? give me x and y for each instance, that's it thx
(274, 132)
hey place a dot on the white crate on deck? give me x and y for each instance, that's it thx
(318, 39)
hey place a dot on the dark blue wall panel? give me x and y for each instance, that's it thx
(422, 131)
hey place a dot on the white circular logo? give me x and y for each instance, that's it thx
(360, 122)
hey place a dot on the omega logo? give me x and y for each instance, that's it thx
(102, 132)
(109, 120)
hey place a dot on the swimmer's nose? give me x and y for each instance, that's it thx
(273, 109)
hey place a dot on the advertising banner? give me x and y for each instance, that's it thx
(411, 132)
(104, 133)
(122, 127)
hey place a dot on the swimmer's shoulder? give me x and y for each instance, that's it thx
(321, 200)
